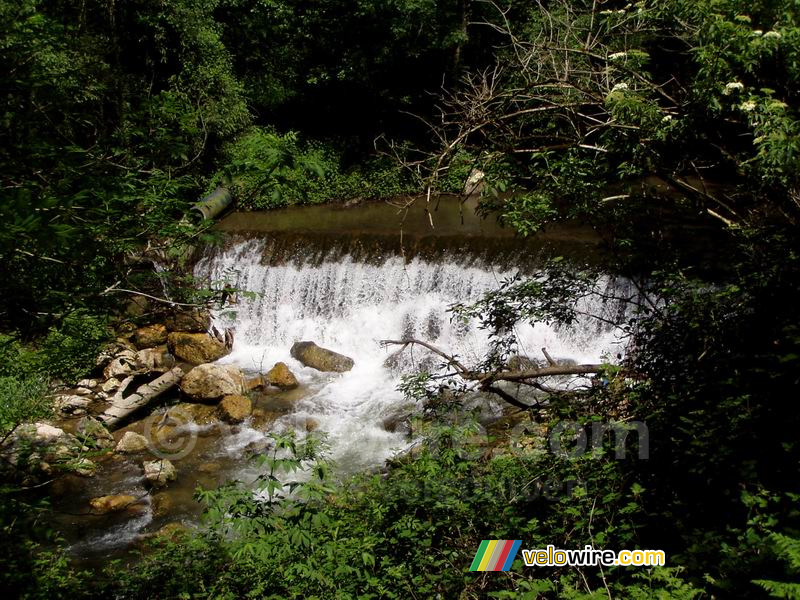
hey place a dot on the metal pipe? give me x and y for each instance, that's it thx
(213, 204)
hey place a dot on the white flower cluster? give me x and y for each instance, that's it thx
(733, 86)
(617, 55)
(748, 106)
(619, 87)
(773, 35)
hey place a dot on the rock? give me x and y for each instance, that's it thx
(82, 391)
(397, 424)
(157, 359)
(37, 448)
(159, 472)
(209, 467)
(321, 359)
(190, 321)
(45, 433)
(122, 365)
(88, 383)
(107, 504)
(112, 350)
(71, 404)
(131, 443)
(201, 414)
(254, 383)
(263, 420)
(212, 382)
(280, 376)
(95, 431)
(311, 424)
(235, 408)
(110, 386)
(171, 531)
(84, 467)
(258, 447)
(161, 504)
(196, 348)
(149, 336)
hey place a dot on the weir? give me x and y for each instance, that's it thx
(345, 282)
(347, 293)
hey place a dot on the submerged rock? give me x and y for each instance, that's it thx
(196, 348)
(149, 336)
(200, 414)
(235, 408)
(131, 443)
(263, 419)
(159, 472)
(280, 376)
(212, 382)
(320, 358)
(161, 504)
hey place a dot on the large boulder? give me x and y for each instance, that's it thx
(196, 348)
(149, 336)
(131, 443)
(190, 321)
(159, 472)
(321, 359)
(280, 376)
(39, 448)
(212, 382)
(235, 408)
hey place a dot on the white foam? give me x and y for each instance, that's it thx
(349, 307)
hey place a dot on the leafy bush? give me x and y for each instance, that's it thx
(69, 351)
(21, 400)
(269, 170)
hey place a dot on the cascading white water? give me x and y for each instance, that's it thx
(348, 306)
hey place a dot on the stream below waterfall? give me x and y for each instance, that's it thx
(345, 278)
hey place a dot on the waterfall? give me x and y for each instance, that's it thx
(349, 303)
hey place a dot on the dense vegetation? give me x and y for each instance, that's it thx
(117, 116)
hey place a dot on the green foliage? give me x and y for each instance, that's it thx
(787, 550)
(268, 170)
(21, 400)
(69, 351)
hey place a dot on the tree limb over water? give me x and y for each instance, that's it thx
(487, 380)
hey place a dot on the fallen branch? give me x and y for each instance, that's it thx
(486, 381)
(123, 407)
(113, 289)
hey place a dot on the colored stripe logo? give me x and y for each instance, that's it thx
(495, 555)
